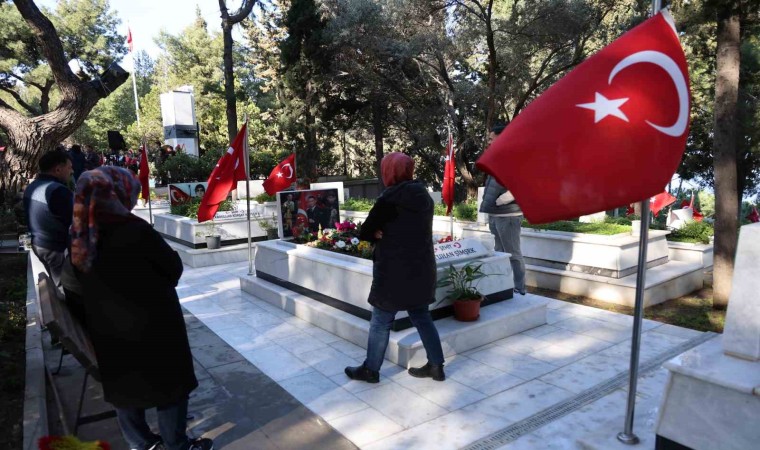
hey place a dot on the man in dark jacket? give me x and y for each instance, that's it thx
(505, 221)
(404, 270)
(78, 160)
(48, 203)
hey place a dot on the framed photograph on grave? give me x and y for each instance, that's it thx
(307, 211)
(183, 192)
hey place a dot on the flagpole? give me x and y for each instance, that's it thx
(453, 184)
(295, 168)
(150, 206)
(134, 79)
(248, 195)
(627, 436)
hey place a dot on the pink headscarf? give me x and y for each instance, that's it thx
(395, 168)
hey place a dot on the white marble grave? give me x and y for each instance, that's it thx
(348, 279)
(712, 398)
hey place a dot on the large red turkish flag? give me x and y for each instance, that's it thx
(282, 176)
(448, 177)
(609, 133)
(223, 179)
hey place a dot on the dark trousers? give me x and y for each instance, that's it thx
(172, 424)
(380, 332)
(53, 262)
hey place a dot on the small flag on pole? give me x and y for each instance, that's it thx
(129, 39)
(660, 201)
(282, 176)
(144, 174)
(449, 176)
(753, 216)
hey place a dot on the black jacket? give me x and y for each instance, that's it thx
(492, 192)
(134, 318)
(404, 270)
(49, 205)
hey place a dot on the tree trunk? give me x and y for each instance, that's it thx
(229, 79)
(378, 107)
(229, 76)
(492, 67)
(724, 149)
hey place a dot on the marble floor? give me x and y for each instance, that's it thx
(487, 389)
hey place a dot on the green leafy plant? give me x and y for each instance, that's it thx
(268, 224)
(462, 282)
(264, 197)
(190, 207)
(358, 204)
(694, 232)
(209, 228)
(603, 228)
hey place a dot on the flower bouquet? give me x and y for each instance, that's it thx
(344, 238)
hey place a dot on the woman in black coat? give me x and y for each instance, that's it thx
(404, 271)
(128, 275)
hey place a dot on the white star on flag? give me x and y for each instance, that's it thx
(279, 174)
(604, 107)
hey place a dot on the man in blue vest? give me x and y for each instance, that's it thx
(505, 220)
(49, 204)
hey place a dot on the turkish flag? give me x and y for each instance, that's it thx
(177, 196)
(753, 216)
(144, 174)
(282, 176)
(223, 179)
(696, 215)
(610, 132)
(129, 39)
(660, 201)
(448, 177)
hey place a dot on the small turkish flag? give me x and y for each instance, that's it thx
(129, 39)
(610, 132)
(177, 196)
(753, 216)
(144, 174)
(660, 201)
(228, 171)
(449, 176)
(282, 176)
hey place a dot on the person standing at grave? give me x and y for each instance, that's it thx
(137, 329)
(78, 160)
(48, 203)
(504, 220)
(404, 271)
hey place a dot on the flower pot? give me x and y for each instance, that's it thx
(272, 233)
(467, 310)
(213, 242)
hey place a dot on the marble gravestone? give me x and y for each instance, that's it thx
(712, 397)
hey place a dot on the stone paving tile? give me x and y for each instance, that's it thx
(484, 378)
(513, 363)
(580, 324)
(401, 405)
(277, 363)
(300, 343)
(520, 402)
(448, 394)
(352, 350)
(323, 396)
(521, 343)
(610, 333)
(329, 361)
(680, 332)
(585, 373)
(581, 342)
(215, 355)
(365, 426)
(558, 355)
(202, 337)
(539, 331)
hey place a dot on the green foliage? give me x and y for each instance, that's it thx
(264, 197)
(462, 282)
(190, 208)
(358, 204)
(695, 232)
(604, 228)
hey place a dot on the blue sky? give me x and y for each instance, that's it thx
(148, 17)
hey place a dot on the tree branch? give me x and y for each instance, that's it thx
(51, 46)
(243, 12)
(31, 83)
(20, 100)
(8, 115)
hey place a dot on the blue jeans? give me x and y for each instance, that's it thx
(380, 332)
(506, 233)
(172, 423)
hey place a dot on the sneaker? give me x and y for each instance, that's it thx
(362, 373)
(428, 371)
(201, 444)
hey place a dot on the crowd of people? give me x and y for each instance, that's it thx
(88, 238)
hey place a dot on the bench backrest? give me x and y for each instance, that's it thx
(62, 324)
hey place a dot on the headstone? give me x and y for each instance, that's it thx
(331, 185)
(482, 217)
(449, 252)
(591, 218)
(741, 336)
(256, 187)
(680, 217)
(436, 196)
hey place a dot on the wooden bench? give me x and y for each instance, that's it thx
(57, 318)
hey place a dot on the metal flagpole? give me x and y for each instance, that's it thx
(134, 79)
(295, 168)
(248, 195)
(150, 206)
(451, 156)
(627, 436)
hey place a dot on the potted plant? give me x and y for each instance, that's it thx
(212, 234)
(270, 227)
(463, 290)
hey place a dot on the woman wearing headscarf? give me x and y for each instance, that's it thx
(404, 272)
(137, 328)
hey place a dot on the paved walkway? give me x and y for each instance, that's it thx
(258, 365)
